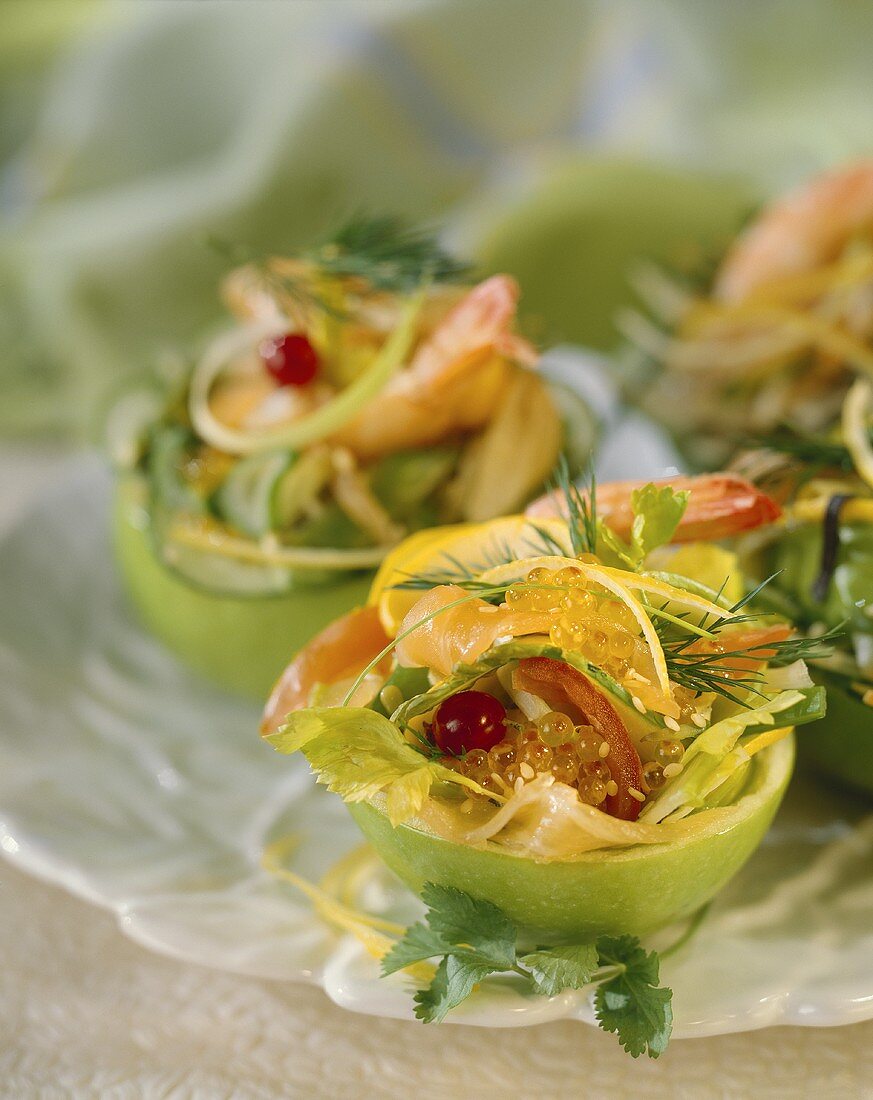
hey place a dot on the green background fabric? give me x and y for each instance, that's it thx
(558, 139)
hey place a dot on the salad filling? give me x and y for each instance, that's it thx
(364, 393)
(775, 335)
(822, 553)
(612, 689)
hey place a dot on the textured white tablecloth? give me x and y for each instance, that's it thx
(86, 1013)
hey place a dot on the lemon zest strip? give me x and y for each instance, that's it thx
(607, 579)
(767, 738)
(212, 540)
(826, 337)
(365, 927)
(668, 592)
(856, 408)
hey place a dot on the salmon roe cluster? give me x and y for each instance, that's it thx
(589, 620)
(599, 627)
(573, 754)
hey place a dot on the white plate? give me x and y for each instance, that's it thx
(139, 787)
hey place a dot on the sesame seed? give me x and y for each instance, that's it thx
(612, 788)
(671, 723)
(698, 720)
(638, 795)
(519, 783)
(527, 771)
(488, 609)
(638, 703)
(603, 751)
(672, 769)
(467, 806)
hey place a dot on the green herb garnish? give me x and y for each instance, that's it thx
(581, 509)
(820, 451)
(388, 253)
(706, 672)
(473, 939)
(383, 250)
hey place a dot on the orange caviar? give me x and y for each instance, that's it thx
(580, 760)
(593, 623)
(589, 621)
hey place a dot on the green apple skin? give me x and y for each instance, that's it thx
(242, 643)
(612, 891)
(840, 744)
(573, 238)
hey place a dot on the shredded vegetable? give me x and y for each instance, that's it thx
(307, 429)
(856, 434)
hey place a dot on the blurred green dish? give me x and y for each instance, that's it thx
(573, 241)
(242, 642)
(841, 743)
(632, 890)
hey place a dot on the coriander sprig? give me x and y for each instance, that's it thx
(473, 939)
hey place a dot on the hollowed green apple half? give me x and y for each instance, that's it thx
(611, 891)
(242, 642)
(841, 743)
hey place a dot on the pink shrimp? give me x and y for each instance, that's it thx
(800, 233)
(460, 633)
(455, 380)
(720, 505)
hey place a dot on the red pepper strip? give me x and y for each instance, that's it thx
(567, 690)
(342, 649)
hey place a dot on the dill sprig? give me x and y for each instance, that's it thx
(382, 250)
(704, 673)
(462, 574)
(711, 672)
(581, 511)
(815, 450)
(388, 253)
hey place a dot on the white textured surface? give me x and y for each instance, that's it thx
(165, 1029)
(86, 1013)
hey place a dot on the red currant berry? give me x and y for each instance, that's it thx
(469, 720)
(290, 359)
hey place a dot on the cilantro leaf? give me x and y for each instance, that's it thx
(419, 942)
(456, 924)
(474, 938)
(464, 920)
(453, 982)
(657, 512)
(631, 1004)
(556, 968)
